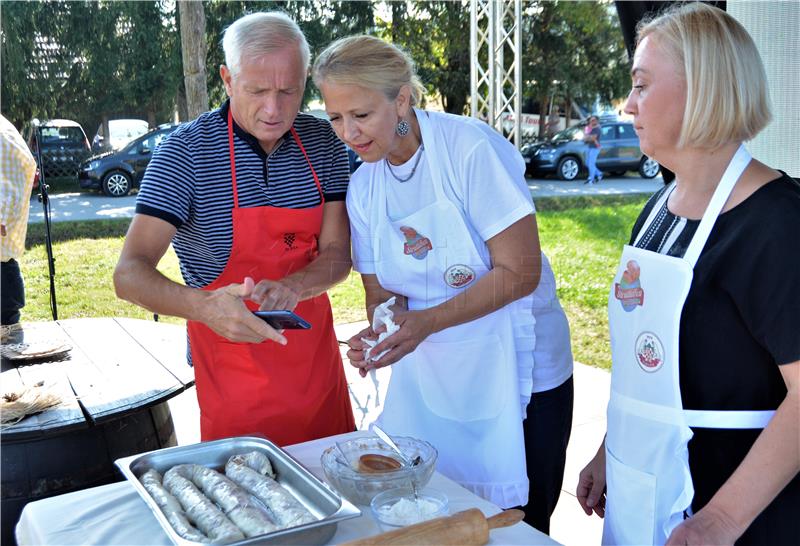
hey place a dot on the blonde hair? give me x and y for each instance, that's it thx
(262, 33)
(727, 97)
(368, 62)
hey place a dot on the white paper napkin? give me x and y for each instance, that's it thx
(383, 316)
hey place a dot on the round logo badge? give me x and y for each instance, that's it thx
(459, 276)
(649, 352)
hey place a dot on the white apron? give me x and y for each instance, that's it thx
(649, 485)
(459, 389)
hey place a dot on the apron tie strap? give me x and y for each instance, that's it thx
(720, 419)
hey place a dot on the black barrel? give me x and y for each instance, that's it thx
(50, 464)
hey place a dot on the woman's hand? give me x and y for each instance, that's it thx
(415, 326)
(591, 490)
(708, 526)
(357, 348)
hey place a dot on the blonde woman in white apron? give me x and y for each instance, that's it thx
(703, 442)
(441, 217)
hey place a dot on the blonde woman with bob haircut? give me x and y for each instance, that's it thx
(703, 441)
(442, 224)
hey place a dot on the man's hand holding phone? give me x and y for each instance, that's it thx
(225, 312)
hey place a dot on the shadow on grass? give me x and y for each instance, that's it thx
(598, 219)
(70, 231)
(555, 204)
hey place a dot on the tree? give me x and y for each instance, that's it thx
(193, 48)
(434, 35)
(87, 61)
(572, 51)
(30, 84)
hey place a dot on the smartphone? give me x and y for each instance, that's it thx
(281, 319)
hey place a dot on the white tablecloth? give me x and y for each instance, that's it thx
(115, 514)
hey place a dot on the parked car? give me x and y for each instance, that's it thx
(117, 173)
(121, 132)
(63, 146)
(565, 153)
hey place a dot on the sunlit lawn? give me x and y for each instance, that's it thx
(582, 238)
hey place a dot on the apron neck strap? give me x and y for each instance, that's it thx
(310, 166)
(732, 174)
(232, 157)
(440, 170)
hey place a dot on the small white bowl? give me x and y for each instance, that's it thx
(397, 508)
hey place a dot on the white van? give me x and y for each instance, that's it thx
(122, 131)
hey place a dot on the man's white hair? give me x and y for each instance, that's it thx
(260, 33)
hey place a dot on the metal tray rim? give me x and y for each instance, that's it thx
(346, 510)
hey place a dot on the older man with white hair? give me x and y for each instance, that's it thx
(251, 195)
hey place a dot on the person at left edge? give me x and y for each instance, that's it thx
(251, 195)
(17, 169)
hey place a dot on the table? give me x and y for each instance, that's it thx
(115, 514)
(114, 384)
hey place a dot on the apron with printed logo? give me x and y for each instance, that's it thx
(459, 389)
(649, 484)
(290, 393)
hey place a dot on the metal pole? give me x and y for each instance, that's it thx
(473, 54)
(491, 64)
(518, 72)
(44, 199)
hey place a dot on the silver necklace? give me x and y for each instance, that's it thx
(413, 169)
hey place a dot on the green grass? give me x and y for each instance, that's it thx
(583, 245)
(85, 255)
(582, 237)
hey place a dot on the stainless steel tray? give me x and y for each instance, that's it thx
(322, 501)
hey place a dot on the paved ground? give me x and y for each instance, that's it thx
(569, 525)
(95, 206)
(82, 206)
(609, 186)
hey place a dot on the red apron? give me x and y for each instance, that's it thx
(290, 393)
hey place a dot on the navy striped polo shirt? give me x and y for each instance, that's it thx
(188, 183)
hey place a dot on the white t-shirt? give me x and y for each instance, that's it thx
(490, 191)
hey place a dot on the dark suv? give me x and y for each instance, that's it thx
(565, 153)
(64, 146)
(116, 173)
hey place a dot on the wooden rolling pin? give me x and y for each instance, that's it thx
(467, 528)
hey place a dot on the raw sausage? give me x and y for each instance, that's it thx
(171, 507)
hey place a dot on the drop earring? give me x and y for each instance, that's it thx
(403, 127)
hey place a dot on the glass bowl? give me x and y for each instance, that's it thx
(341, 466)
(397, 507)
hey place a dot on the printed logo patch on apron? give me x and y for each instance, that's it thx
(288, 240)
(630, 292)
(417, 245)
(649, 352)
(459, 276)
